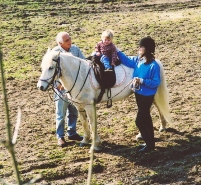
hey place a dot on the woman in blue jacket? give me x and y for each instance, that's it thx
(146, 79)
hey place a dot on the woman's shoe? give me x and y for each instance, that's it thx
(141, 146)
(146, 149)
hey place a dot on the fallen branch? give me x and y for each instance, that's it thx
(8, 143)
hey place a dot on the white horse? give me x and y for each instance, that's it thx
(77, 76)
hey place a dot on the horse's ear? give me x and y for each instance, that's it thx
(56, 55)
(49, 49)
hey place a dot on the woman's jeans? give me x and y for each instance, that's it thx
(64, 110)
(144, 120)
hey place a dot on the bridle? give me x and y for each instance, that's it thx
(59, 74)
(69, 92)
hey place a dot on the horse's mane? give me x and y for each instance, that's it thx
(68, 54)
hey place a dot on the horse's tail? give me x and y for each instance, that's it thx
(162, 96)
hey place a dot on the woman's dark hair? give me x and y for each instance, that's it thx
(149, 57)
(149, 45)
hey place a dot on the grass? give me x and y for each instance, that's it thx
(32, 42)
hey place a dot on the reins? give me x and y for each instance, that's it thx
(110, 98)
(69, 92)
(84, 82)
(75, 80)
(135, 85)
(121, 90)
(59, 74)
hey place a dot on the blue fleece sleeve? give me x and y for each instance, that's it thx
(129, 61)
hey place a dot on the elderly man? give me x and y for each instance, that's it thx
(63, 108)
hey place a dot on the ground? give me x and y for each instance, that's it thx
(177, 158)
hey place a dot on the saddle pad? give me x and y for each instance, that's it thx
(120, 77)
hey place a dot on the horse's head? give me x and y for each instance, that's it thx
(50, 69)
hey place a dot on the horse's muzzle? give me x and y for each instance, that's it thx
(41, 86)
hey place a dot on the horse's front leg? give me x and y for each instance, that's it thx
(85, 125)
(91, 113)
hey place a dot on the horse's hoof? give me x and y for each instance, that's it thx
(83, 144)
(96, 150)
(162, 129)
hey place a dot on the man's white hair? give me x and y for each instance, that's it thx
(59, 37)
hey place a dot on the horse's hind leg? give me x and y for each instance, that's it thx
(85, 125)
(163, 121)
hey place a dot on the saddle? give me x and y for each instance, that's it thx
(106, 79)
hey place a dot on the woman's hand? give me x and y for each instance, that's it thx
(138, 80)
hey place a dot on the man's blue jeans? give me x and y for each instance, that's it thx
(65, 112)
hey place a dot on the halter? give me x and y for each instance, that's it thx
(59, 74)
(56, 72)
(75, 79)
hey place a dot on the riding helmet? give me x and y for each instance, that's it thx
(148, 43)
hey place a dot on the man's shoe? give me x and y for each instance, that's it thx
(75, 137)
(146, 149)
(61, 142)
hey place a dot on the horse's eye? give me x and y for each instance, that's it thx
(51, 67)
